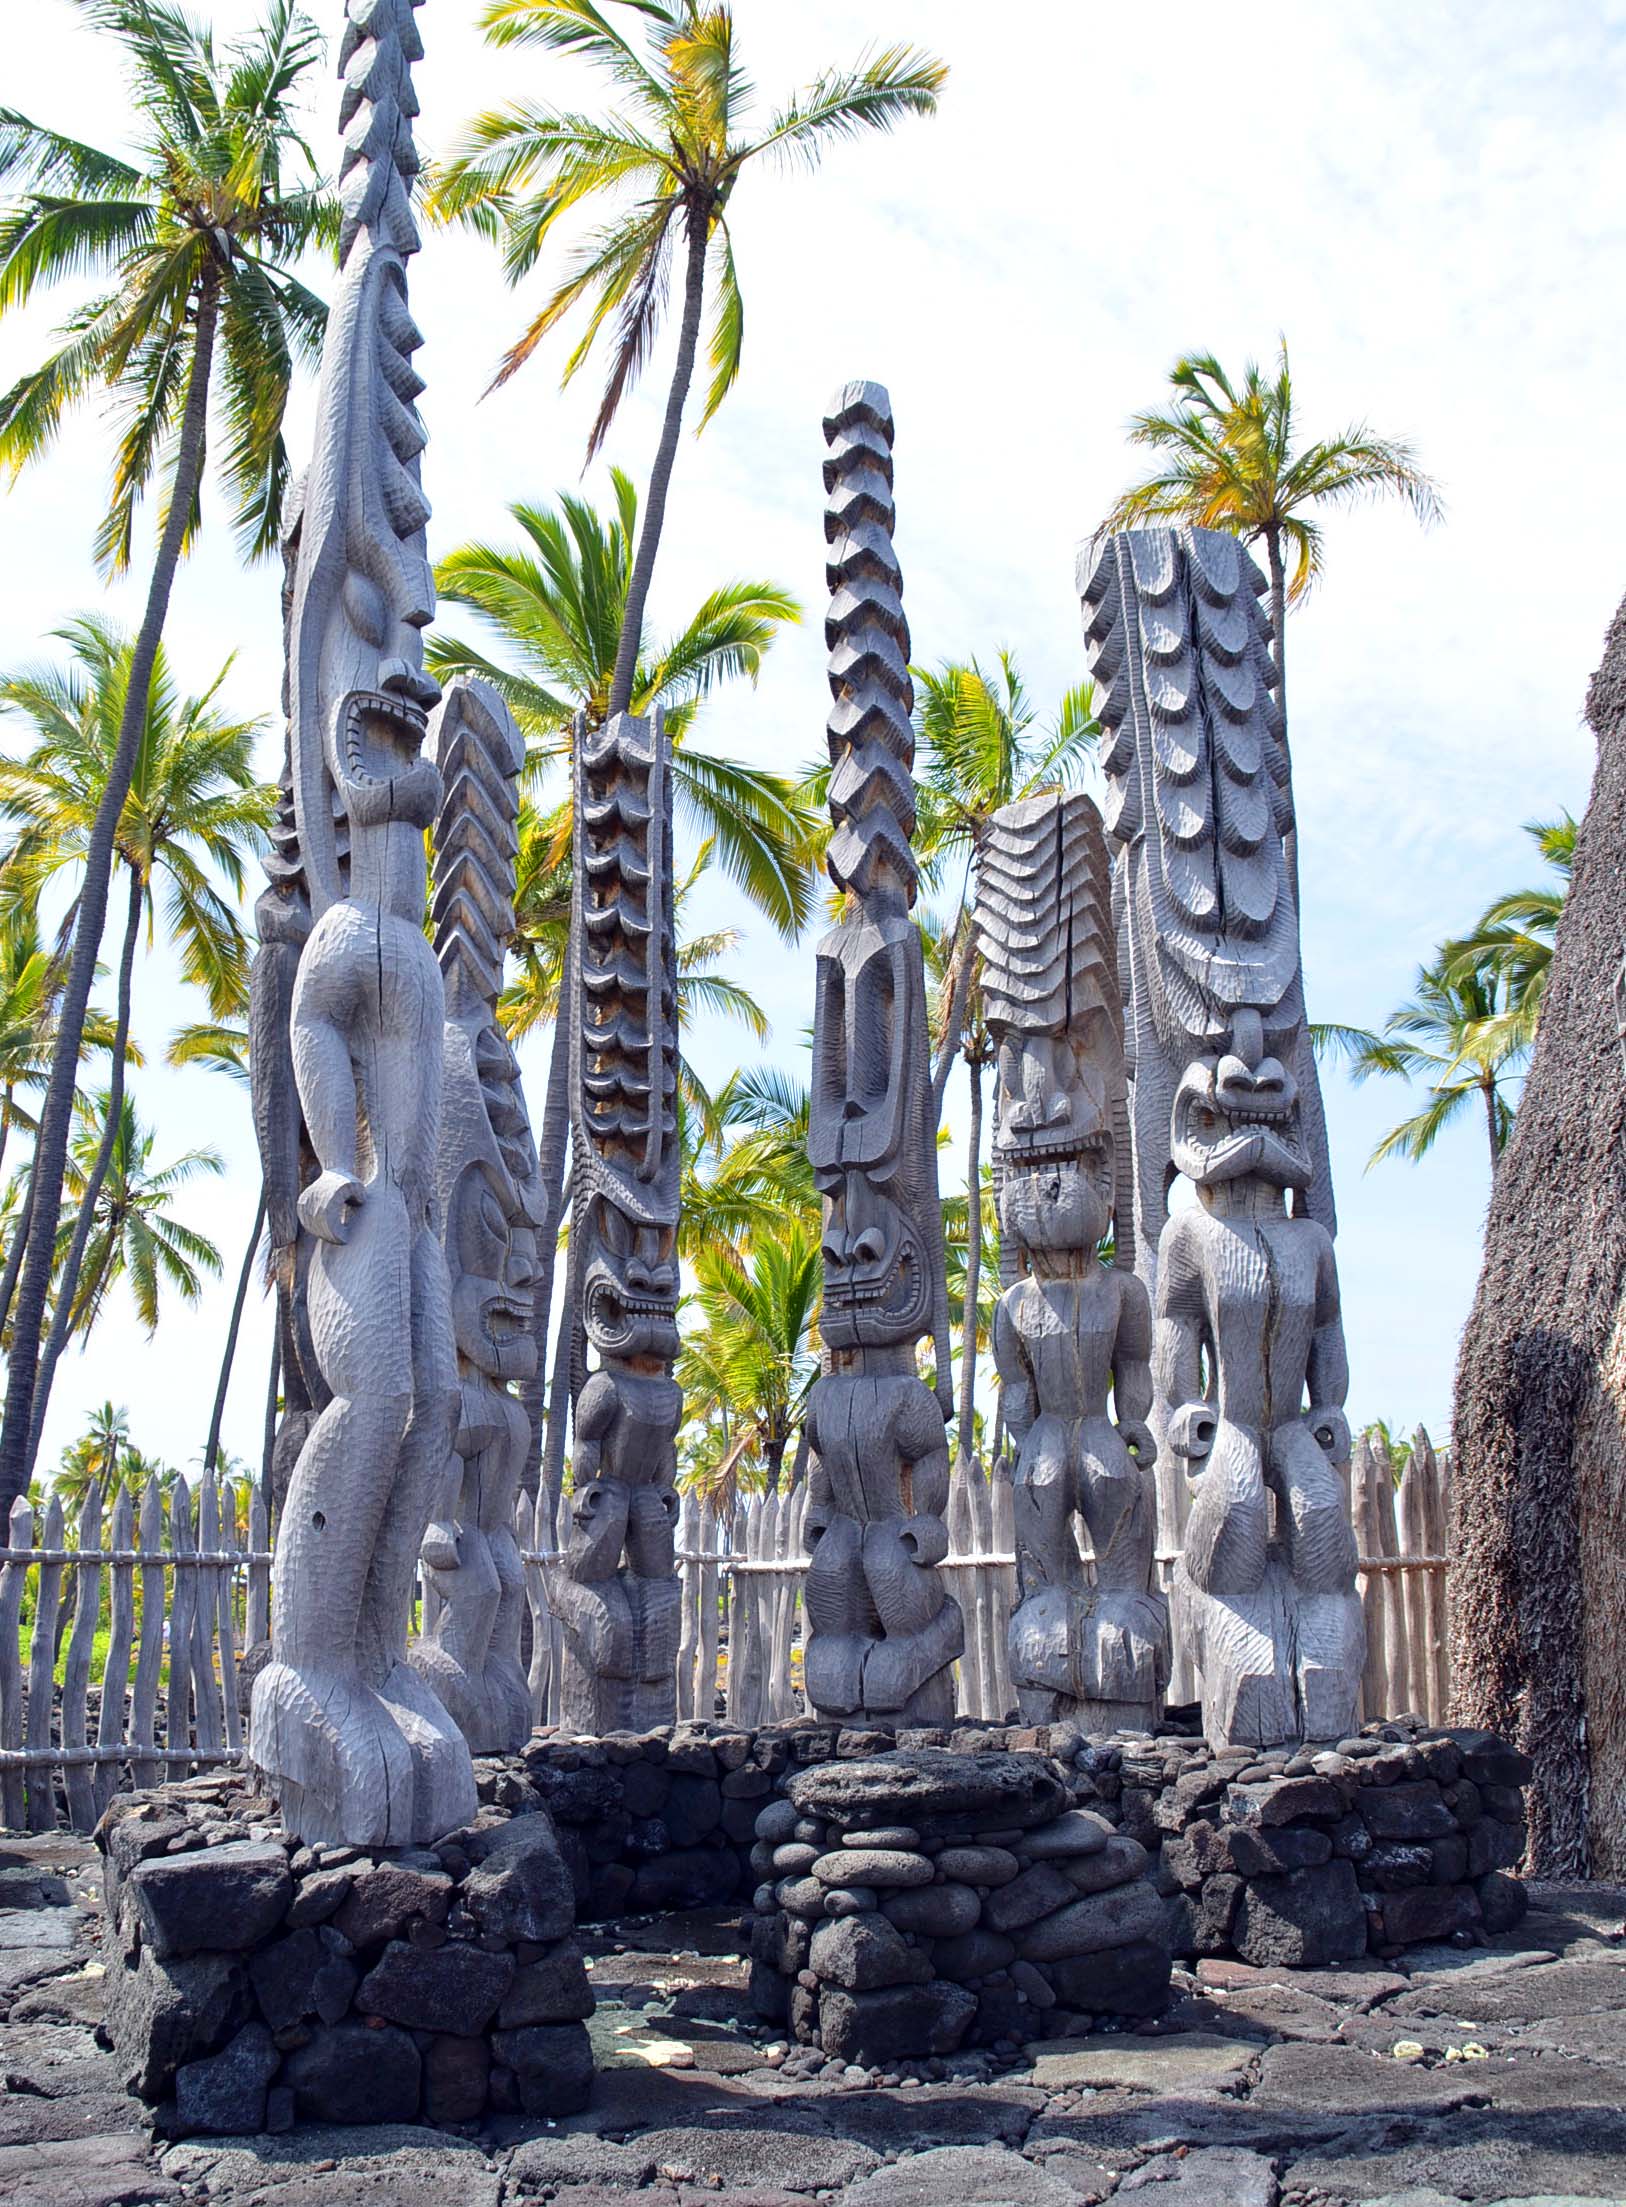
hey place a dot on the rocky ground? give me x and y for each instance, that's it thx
(1483, 2074)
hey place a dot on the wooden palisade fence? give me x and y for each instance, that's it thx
(186, 1598)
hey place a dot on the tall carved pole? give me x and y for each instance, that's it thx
(1249, 1360)
(491, 1204)
(356, 1746)
(1068, 1327)
(615, 1590)
(883, 1632)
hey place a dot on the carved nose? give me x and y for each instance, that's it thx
(1247, 1035)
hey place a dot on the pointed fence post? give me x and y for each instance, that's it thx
(42, 1672)
(110, 1723)
(78, 1778)
(144, 1771)
(13, 1583)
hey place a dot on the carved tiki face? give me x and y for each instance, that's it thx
(1055, 1090)
(492, 1256)
(1236, 1112)
(1063, 1208)
(868, 1137)
(630, 1286)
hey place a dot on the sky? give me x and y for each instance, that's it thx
(1426, 202)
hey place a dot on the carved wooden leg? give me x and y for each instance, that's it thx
(841, 1619)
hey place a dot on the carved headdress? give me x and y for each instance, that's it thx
(871, 1139)
(1199, 804)
(363, 590)
(624, 1117)
(1050, 997)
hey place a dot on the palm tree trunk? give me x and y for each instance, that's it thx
(17, 1433)
(564, 1355)
(1538, 1561)
(211, 1447)
(973, 1264)
(1488, 1090)
(660, 475)
(268, 1438)
(5, 1122)
(552, 1153)
(14, 1256)
(962, 962)
(68, 1284)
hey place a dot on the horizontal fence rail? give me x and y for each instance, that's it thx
(135, 1629)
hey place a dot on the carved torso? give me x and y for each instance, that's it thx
(1259, 1282)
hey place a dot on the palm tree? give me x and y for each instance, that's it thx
(1456, 1034)
(192, 810)
(664, 164)
(557, 604)
(135, 1236)
(194, 240)
(750, 1363)
(1228, 460)
(1514, 935)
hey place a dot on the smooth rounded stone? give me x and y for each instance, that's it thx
(1031, 1985)
(1035, 1893)
(776, 1823)
(940, 1911)
(885, 1835)
(882, 1866)
(1079, 1832)
(1121, 1859)
(923, 1783)
(765, 1900)
(800, 1896)
(979, 1865)
(1117, 1918)
(793, 1858)
(810, 1830)
(974, 1954)
(850, 1900)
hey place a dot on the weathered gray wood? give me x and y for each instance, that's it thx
(110, 1724)
(615, 1589)
(351, 1740)
(182, 1620)
(1364, 1475)
(41, 1671)
(1438, 1518)
(226, 1624)
(1068, 1331)
(1415, 1540)
(257, 1607)
(206, 1693)
(150, 1654)
(1391, 1584)
(1249, 1361)
(13, 1582)
(77, 1781)
(492, 1205)
(710, 1616)
(883, 1630)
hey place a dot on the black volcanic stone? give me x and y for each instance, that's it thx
(214, 1900)
(453, 1988)
(224, 2094)
(352, 2073)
